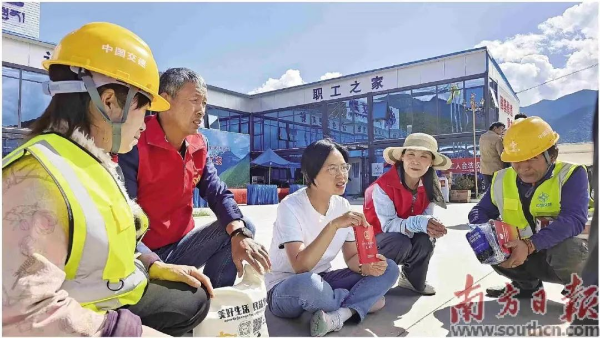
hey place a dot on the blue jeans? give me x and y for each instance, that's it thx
(208, 246)
(330, 291)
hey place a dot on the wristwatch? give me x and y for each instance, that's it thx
(530, 246)
(242, 231)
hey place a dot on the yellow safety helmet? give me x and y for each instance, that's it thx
(113, 51)
(527, 138)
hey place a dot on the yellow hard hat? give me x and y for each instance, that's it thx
(113, 51)
(527, 138)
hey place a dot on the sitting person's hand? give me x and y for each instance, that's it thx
(246, 249)
(351, 218)
(436, 229)
(375, 269)
(180, 273)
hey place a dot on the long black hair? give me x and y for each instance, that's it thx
(430, 183)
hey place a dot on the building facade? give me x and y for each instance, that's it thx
(453, 97)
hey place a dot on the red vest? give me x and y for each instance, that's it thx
(166, 183)
(391, 184)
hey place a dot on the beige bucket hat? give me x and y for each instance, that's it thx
(418, 141)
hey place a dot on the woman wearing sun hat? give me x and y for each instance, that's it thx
(400, 203)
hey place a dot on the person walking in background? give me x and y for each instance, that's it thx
(490, 147)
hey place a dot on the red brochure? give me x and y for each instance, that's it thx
(505, 233)
(365, 244)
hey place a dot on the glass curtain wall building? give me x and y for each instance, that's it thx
(445, 96)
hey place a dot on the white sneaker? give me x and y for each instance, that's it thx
(404, 283)
(322, 323)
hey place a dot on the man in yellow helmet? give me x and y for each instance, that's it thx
(531, 195)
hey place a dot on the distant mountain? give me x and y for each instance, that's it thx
(229, 159)
(576, 126)
(238, 175)
(553, 109)
(571, 115)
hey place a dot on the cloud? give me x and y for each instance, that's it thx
(524, 58)
(290, 78)
(515, 48)
(330, 75)
(582, 18)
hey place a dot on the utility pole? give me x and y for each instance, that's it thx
(473, 109)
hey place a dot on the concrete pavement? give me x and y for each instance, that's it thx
(406, 313)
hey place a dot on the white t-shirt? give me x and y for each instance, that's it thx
(298, 221)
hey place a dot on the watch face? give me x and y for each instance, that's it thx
(246, 232)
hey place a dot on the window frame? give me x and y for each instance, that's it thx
(20, 69)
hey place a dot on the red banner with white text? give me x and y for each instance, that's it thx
(464, 165)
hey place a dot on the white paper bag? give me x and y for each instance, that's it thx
(237, 311)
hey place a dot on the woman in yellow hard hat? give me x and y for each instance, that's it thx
(70, 232)
(546, 200)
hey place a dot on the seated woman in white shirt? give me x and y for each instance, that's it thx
(313, 225)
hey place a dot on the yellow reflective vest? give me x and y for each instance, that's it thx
(101, 270)
(545, 200)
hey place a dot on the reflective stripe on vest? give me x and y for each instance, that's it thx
(101, 272)
(545, 201)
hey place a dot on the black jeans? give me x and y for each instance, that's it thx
(412, 253)
(171, 307)
(554, 265)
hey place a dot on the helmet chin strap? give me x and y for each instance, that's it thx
(548, 167)
(95, 96)
(548, 162)
(547, 158)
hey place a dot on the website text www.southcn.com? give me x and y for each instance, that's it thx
(532, 328)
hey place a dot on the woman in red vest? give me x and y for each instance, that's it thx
(399, 205)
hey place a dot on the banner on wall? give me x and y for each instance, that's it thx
(508, 108)
(230, 154)
(464, 165)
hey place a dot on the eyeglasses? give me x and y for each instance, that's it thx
(343, 168)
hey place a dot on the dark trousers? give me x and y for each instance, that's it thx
(554, 265)
(171, 307)
(208, 246)
(176, 308)
(412, 253)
